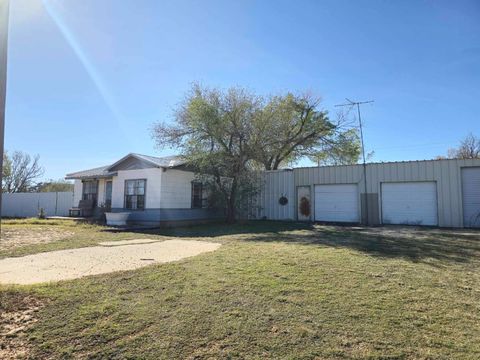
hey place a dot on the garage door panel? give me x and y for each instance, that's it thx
(413, 203)
(336, 203)
(471, 196)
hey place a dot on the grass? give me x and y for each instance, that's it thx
(273, 290)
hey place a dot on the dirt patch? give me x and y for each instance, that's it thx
(18, 237)
(16, 317)
(76, 263)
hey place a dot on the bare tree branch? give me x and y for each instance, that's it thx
(23, 170)
(469, 148)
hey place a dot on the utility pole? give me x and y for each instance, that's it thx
(357, 104)
(4, 6)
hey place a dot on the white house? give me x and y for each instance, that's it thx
(151, 189)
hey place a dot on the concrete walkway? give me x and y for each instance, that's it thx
(76, 263)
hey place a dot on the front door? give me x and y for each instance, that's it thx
(108, 194)
(304, 206)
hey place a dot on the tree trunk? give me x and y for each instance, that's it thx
(231, 211)
(231, 214)
(276, 164)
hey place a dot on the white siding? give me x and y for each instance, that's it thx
(177, 189)
(154, 181)
(101, 192)
(77, 191)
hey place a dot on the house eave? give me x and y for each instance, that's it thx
(89, 177)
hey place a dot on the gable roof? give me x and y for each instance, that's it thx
(108, 170)
(165, 162)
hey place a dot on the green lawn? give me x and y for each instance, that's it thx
(273, 290)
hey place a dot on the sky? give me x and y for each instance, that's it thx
(87, 79)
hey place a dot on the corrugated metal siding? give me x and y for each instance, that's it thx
(446, 173)
(273, 185)
(352, 174)
(471, 196)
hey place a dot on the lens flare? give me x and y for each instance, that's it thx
(54, 9)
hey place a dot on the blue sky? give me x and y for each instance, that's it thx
(88, 78)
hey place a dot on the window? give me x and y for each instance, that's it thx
(198, 198)
(108, 194)
(89, 191)
(135, 194)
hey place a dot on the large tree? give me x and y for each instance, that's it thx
(21, 173)
(213, 131)
(290, 127)
(342, 149)
(469, 148)
(227, 134)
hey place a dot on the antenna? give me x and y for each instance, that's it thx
(357, 104)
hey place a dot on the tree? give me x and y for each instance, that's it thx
(469, 148)
(22, 171)
(52, 186)
(7, 168)
(289, 127)
(213, 131)
(343, 149)
(227, 135)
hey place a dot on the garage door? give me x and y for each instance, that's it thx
(336, 203)
(471, 196)
(412, 203)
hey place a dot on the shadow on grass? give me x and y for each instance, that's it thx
(415, 244)
(220, 228)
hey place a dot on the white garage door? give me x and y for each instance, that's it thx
(471, 196)
(338, 203)
(412, 203)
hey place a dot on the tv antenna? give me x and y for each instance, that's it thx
(357, 104)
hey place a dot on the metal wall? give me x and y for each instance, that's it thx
(446, 174)
(29, 204)
(273, 185)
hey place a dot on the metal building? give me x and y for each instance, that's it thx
(442, 193)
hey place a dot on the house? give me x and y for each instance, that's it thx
(443, 193)
(153, 190)
(156, 190)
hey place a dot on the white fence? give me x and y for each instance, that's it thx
(29, 204)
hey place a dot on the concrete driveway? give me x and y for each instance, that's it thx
(106, 258)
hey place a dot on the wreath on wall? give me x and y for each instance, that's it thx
(283, 200)
(305, 206)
